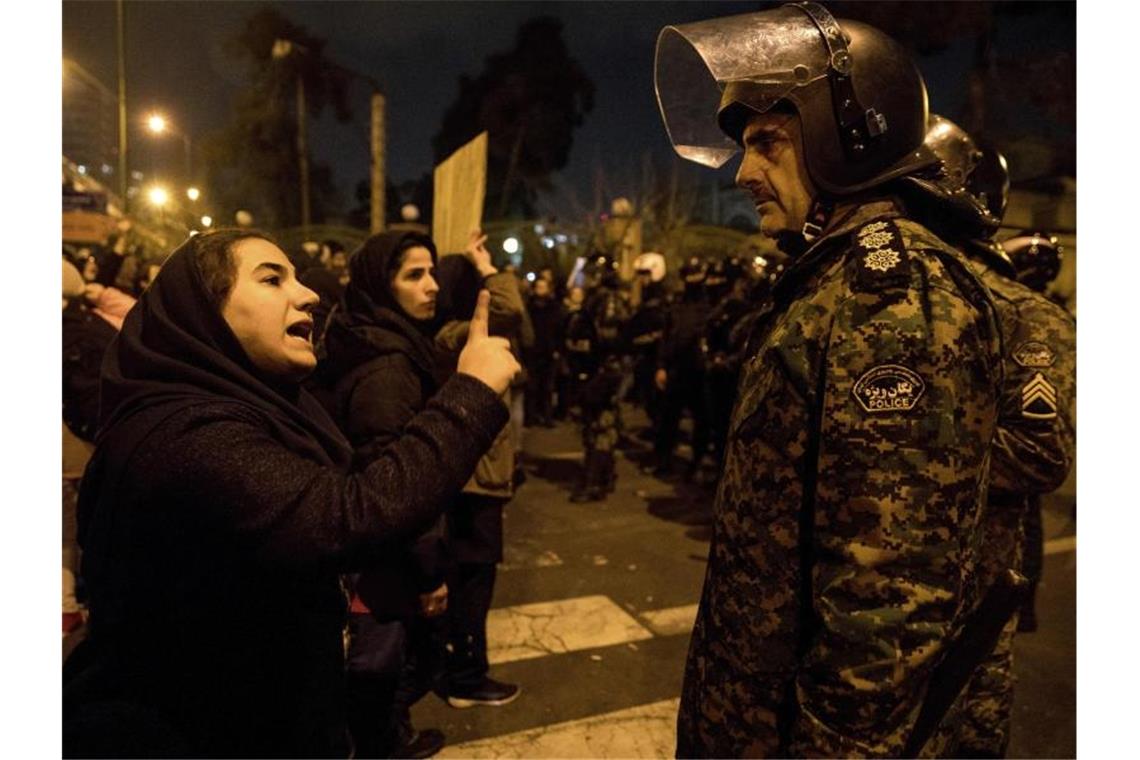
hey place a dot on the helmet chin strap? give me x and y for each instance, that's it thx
(795, 243)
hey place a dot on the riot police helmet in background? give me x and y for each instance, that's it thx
(1036, 256)
(652, 265)
(950, 197)
(859, 95)
(694, 271)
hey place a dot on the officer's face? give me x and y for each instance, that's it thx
(773, 171)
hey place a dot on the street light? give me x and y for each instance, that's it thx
(207, 221)
(160, 125)
(158, 196)
(193, 193)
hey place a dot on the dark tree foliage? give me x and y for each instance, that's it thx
(1003, 86)
(255, 156)
(529, 100)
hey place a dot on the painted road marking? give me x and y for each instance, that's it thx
(527, 631)
(1061, 545)
(635, 732)
(671, 621)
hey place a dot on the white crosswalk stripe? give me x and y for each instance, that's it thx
(527, 631)
(636, 732)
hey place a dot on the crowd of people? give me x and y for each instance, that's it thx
(296, 465)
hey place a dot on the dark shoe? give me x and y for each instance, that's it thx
(1027, 621)
(421, 744)
(490, 692)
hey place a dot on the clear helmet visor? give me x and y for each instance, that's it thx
(755, 59)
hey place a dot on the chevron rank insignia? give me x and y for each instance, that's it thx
(880, 257)
(888, 388)
(1039, 399)
(1034, 354)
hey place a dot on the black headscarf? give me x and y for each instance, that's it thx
(176, 350)
(373, 323)
(459, 286)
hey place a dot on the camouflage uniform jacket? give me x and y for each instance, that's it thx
(845, 533)
(1036, 435)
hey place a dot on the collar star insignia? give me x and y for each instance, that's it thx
(882, 260)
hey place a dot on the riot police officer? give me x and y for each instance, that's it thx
(963, 200)
(680, 374)
(644, 330)
(845, 522)
(600, 324)
(719, 351)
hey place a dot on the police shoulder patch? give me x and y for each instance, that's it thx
(880, 256)
(1039, 399)
(1034, 353)
(888, 388)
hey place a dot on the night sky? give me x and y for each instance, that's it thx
(176, 63)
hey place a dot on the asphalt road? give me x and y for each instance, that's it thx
(592, 613)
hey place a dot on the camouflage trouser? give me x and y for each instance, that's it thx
(988, 698)
(988, 708)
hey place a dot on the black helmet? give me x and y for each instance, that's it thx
(945, 196)
(860, 97)
(694, 271)
(1036, 256)
(989, 182)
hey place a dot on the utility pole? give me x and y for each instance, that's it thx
(378, 159)
(303, 153)
(123, 178)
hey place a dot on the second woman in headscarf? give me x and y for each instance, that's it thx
(382, 367)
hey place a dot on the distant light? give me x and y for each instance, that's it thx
(192, 193)
(137, 175)
(511, 245)
(107, 169)
(547, 242)
(560, 238)
(760, 261)
(243, 218)
(158, 196)
(530, 276)
(82, 169)
(409, 212)
(156, 123)
(539, 229)
(207, 221)
(193, 233)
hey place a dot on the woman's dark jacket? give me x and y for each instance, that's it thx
(381, 368)
(216, 515)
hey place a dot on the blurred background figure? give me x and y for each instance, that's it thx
(643, 333)
(475, 523)
(679, 374)
(541, 360)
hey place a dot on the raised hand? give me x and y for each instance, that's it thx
(477, 253)
(487, 359)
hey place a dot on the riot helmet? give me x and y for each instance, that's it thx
(651, 264)
(859, 95)
(1036, 256)
(989, 182)
(945, 196)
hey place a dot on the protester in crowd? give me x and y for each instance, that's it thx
(327, 278)
(85, 340)
(541, 361)
(109, 302)
(383, 368)
(571, 372)
(475, 524)
(219, 508)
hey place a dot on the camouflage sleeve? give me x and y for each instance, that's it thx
(1036, 436)
(908, 407)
